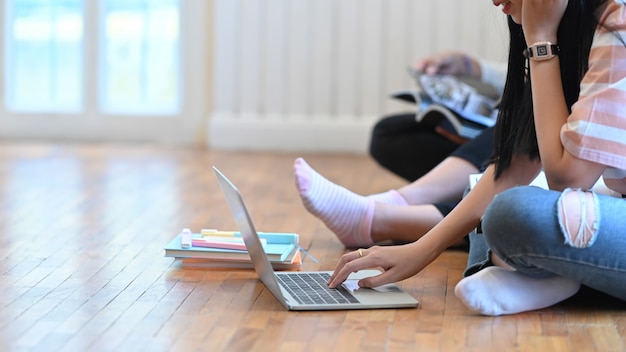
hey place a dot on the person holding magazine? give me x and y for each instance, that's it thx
(562, 112)
(409, 148)
(425, 201)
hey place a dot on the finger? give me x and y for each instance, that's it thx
(432, 65)
(449, 66)
(445, 63)
(387, 276)
(345, 259)
(430, 69)
(424, 63)
(341, 274)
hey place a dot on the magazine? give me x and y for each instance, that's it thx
(460, 105)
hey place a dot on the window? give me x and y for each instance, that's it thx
(44, 55)
(140, 70)
(96, 69)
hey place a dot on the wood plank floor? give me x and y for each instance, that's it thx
(82, 268)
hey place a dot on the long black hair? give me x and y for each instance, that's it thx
(515, 128)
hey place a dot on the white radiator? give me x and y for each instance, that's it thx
(315, 75)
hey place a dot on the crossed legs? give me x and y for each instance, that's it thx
(500, 289)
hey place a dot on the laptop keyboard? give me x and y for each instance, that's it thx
(312, 288)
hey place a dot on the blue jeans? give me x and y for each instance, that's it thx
(521, 226)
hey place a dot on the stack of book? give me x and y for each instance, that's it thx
(211, 249)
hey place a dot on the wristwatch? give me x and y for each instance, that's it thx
(541, 51)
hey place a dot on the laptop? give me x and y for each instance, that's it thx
(301, 290)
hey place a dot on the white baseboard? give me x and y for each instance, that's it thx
(289, 134)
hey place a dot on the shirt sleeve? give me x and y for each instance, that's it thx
(493, 73)
(596, 128)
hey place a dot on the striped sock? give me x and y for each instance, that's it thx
(346, 213)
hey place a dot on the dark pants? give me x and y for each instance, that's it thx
(409, 149)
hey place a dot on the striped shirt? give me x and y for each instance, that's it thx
(596, 129)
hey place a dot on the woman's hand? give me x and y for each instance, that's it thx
(449, 63)
(541, 18)
(398, 263)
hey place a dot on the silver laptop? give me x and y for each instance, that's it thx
(300, 290)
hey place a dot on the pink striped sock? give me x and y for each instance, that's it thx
(346, 213)
(392, 197)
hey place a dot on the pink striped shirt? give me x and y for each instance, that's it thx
(596, 129)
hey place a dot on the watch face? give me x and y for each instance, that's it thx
(542, 50)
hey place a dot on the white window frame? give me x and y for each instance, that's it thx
(186, 127)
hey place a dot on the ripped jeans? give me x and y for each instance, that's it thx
(538, 233)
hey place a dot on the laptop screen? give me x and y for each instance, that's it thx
(250, 237)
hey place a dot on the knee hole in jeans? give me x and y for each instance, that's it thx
(578, 217)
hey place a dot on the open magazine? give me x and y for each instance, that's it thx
(460, 105)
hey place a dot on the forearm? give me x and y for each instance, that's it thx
(400, 262)
(562, 169)
(550, 113)
(540, 21)
(467, 214)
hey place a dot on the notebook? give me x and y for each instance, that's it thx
(303, 290)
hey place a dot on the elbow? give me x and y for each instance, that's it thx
(578, 174)
(559, 183)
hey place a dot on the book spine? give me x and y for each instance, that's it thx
(222, 242)
(279, 237)
(219, 244)
(275, 237)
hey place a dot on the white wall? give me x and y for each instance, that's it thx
(314, 75)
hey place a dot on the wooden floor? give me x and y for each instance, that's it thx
(82, 266)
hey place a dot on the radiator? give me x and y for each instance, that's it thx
(315, 75)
